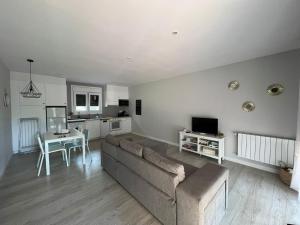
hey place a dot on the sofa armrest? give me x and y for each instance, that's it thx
(198, 191)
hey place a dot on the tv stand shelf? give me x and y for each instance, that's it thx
(202, 144)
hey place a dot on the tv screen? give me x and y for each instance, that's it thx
(123, 102)
(205, 125)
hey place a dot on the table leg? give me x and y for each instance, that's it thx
(83, 150)
(47, 159)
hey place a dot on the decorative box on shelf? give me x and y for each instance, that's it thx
(207, 145)
(209, 151)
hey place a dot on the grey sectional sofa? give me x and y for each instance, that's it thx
(174, 192)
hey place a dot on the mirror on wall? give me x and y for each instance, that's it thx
(275, 89)
(248, 106)
(233, 85)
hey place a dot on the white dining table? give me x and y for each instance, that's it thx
(50, 137)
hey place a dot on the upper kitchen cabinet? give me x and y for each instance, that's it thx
(56, 94)
(53, 89)
(114, 93)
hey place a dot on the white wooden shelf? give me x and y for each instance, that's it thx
(189, 142)
(218, 149)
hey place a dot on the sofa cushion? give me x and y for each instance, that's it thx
(164, 163)
(112, 140)
(132, 147)
(159, 178)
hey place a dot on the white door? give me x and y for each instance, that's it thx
(104, 128)
(56, 94)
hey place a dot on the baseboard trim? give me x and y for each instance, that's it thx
(250, 164)
(231, 159)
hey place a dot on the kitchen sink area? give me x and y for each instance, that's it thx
(100, 109)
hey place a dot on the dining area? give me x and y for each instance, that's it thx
(64, 142)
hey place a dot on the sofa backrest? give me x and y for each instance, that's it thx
(164, 163)
(159, 178)
(132, 147)
(112, 140)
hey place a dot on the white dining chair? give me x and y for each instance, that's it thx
(78, 144)
(51, 149)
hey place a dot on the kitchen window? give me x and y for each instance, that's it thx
(80, 102)
(86, 100)
(94, 101)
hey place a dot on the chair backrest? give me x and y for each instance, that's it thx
(40, 142)
(86, 134)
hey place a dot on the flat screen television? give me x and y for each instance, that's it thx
(205, 125)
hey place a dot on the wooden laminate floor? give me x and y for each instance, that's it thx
(89, 196)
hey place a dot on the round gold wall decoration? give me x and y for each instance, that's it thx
(275, 89)
(248, 106)
(233, 85)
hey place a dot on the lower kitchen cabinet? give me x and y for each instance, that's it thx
(126, 125)
(94, 128)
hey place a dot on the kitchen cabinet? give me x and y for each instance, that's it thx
(94, 128)
(29, 111)
(104, 127)
(56, 94)
(126, 125)
(114, 93)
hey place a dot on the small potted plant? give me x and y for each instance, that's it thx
(285, 173)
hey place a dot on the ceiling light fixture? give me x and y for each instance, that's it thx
(175, 32)
(30, 90)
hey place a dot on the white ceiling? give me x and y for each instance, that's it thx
(131, 41)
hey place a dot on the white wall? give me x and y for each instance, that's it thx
(168, 105)
(24, 108)
(296, 174)
(5, 126)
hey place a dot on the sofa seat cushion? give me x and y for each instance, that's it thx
(164, 163)
(132, 147)
(161, 179)
(112, 140)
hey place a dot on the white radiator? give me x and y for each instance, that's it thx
(270, 150)
(29, 127)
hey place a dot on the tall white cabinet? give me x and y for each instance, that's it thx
(54, 93)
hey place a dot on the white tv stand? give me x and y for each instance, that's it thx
(202, 144)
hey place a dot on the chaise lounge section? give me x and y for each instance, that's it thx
(174, 192)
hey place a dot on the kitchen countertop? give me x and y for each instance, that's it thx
(90, 119)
